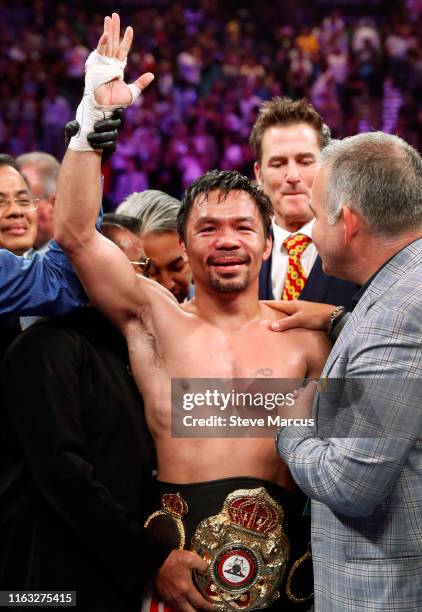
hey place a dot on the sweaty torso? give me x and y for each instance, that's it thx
(184, 345)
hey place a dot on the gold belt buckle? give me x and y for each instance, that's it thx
(246, 550)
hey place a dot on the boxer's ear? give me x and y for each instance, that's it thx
(268, 248)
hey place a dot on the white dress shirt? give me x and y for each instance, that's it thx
(280, 257)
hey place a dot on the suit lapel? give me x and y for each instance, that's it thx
(265, 285)
(317, 284)
(357, 316)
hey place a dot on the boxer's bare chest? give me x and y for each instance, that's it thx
(196, 349)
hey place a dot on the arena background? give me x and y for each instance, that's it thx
(360, 63)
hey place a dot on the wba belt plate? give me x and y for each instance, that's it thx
(246, 550)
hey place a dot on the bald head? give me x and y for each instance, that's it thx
(127, 241)
(41, 170)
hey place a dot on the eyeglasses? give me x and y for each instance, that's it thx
(143, 266)
(25, 202)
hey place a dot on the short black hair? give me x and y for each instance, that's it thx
(8, 160)
(130, 223)
(223, 181)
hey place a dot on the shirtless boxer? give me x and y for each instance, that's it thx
(225, 223)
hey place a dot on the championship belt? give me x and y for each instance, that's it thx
(246, 550)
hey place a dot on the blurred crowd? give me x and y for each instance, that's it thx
(77, 451)
(214, 62)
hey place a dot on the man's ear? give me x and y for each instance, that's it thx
(352, 224)
(268, 248)
(257, 171)
(52, 200)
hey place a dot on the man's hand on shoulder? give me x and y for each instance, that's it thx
(175, 585)
(299, 313)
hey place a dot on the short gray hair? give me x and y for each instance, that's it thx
(157, 211)
(378, 176)
(46, 166)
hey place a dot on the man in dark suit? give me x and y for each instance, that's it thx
(286, 139)
(76, 461)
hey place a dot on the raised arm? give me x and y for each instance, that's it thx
(107, 276)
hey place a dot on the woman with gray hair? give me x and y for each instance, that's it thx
(157, 213)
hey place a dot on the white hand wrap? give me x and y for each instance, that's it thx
(99, 69)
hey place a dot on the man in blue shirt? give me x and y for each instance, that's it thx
(47, 284)
(25, 283)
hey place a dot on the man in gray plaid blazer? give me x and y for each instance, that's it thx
(362, 462)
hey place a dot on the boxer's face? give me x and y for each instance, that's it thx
(225, 241)
(18, 212)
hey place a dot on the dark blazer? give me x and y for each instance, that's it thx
(9, 329)
(318, 288)
(75, 466)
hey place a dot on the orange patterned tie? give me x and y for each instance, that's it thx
(295, 245)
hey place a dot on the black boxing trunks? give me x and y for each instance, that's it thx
(250, 531)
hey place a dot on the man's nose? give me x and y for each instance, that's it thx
(293, 174)
(13, 210)
(227, 240)
(166, 279)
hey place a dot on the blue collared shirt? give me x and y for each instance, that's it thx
(43, 285)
